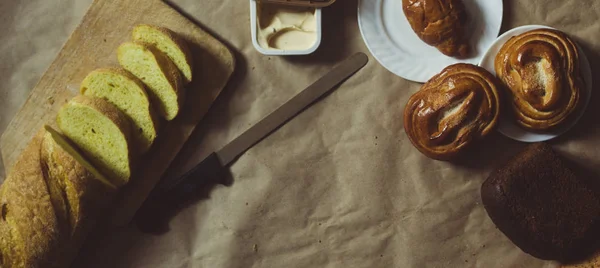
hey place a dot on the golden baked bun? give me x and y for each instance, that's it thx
(452, 110)
(541, 70)
(439, 23)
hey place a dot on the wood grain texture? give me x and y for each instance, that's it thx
(93, 45)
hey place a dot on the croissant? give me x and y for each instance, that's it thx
(541, 70)
(439, 23)
(49, 202)
(452, 110)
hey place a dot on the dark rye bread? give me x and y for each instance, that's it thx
(542, 206)
(591, 262)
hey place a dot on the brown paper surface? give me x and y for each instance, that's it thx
(338, 186)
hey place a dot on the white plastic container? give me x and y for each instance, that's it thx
(280, 52)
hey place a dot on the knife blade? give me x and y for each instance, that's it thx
(178, 192)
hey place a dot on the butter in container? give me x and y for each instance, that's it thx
(286, 29)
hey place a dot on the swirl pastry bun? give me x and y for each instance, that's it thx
(454, 109)
(439, 23)
(540, 69)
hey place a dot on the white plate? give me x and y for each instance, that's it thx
(509, 127)
(397, 47)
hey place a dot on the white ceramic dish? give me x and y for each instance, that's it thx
(397, 47)
(276, 52)
(507, 126)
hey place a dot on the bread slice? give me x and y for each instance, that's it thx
(72, 179)
(59, 150)
(76, 188)
(102, 132)
(169, 43)
(157, 72)
(128, 93)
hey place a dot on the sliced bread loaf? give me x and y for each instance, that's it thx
(30, 227)
(49, 203)
(169, 43)
(128, 93)
(64, 154)
(74, 183)
(102, 132)
(157, 72)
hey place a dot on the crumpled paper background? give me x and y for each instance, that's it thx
(338, 186)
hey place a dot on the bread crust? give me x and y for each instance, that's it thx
(168, 68)
(454, 109)
(117, 117)
(30, 232)
(44, 227)
(542, 206)
(179, 42)
(527, 59)
(118, 71)
(107, 109)
(592, 261)
(171, 72)
(151, 110)
(440, 24)
(85, 195)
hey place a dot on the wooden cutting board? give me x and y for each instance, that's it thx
(93, 45)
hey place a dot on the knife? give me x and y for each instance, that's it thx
(174, 194)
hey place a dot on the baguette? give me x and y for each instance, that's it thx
(49, 203)
(61, 185)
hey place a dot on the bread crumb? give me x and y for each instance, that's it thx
(51, 100)
(255, 248)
